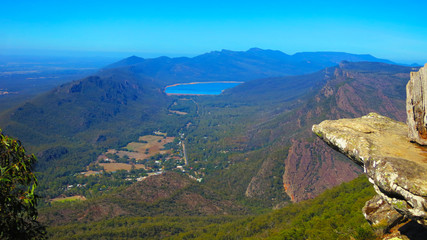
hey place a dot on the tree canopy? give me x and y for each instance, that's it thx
(18, 213)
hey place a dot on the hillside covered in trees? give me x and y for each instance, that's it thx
(230, 159)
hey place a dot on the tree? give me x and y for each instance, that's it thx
(18, 213)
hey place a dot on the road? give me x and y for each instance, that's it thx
(185, 153)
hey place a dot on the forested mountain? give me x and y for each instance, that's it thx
(24, 77)
(169, 194)
(69, 126)
(83, 105)
(251, 148)
(229, 65)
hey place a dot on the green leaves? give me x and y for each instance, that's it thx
(18, 213)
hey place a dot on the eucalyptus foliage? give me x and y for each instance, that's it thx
(18, 213)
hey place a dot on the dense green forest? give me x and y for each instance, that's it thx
(335, 214)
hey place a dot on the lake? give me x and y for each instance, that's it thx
(200, 88)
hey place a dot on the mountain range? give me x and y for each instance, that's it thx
(229, 65)
(251, 145)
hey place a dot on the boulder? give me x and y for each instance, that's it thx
(416, 106)
(381, 215)
(396, 167)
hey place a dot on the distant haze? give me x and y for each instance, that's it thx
(392, 30)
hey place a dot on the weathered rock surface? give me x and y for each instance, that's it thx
(416, 106)
(380, 214)
(396, 167)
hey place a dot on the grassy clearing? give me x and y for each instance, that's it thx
(112, 167)
(147, 147)
(68, 199)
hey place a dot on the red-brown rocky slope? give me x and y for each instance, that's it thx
(351, 90)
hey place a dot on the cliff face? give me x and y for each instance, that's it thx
(416, 106)
(354, 90)
(396, 167)
(311, 168)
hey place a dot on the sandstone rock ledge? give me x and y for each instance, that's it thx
(396, 167)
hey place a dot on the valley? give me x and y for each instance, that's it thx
(134, 152)
(226, 120)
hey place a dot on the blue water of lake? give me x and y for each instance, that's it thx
(206, 88)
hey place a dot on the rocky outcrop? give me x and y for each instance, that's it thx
(381, 215)
(396, 167)
(416, 106)
(307, 162)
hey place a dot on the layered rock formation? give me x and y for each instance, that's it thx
(416, 105)
(396, 167)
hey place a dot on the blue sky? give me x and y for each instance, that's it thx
(395, 30)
